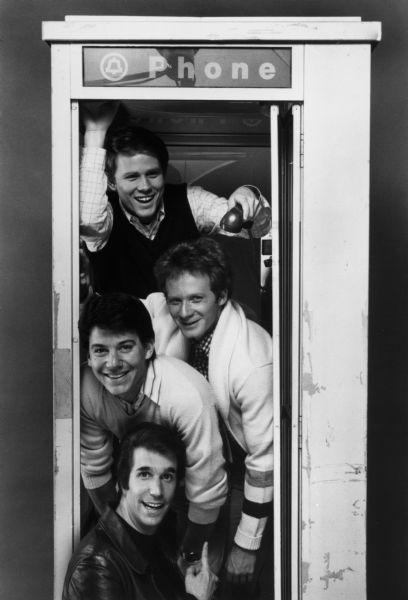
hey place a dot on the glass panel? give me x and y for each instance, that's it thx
(188, 67)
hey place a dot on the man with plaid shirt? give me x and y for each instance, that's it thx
(129, 216)
(194, 319)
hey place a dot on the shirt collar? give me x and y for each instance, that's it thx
(150, 229)
(205, 343)
(150, 388)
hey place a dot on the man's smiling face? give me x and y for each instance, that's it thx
(152, 484)
(192, 304)
(139, 182)
(119, 361)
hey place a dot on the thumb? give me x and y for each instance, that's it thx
(204, 556)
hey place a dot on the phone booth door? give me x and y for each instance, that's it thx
(284, 105)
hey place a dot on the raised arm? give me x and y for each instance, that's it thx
(95, 211)
(97, 117)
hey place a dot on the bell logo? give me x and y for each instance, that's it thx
(114, 66)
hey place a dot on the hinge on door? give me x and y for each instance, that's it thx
(301, 150)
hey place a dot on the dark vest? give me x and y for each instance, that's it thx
(126, 263)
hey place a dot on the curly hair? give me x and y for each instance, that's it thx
(203, 256)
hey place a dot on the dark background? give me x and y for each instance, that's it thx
(26, 425)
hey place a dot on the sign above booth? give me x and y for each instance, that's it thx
(187, 67)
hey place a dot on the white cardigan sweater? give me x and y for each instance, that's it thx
(240, 374)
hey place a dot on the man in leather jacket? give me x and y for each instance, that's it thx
(124, 557)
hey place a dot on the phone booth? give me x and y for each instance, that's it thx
(283, 104)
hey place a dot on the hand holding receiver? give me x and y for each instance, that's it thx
(233, 220)
(246, 208)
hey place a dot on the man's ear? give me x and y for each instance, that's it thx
(112, 186)
(149, 350)
(89, 360)
(222, 298)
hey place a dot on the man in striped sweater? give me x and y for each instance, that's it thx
(194, 319)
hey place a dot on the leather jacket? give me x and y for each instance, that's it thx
(108, 566)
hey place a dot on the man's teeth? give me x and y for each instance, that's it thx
(150, 505)
(115, 376)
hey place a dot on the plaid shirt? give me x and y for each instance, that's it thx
(96, 214)
(199, 352)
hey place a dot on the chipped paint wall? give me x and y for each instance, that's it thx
(335, 293)
(26, 449)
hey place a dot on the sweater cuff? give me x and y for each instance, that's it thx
(202, 516)
(91, 482)
(247, 542)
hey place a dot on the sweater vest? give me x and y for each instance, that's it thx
(125, 263)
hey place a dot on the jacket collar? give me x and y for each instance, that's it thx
(111, 524)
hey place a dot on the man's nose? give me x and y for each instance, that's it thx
(185, 309)
(156, 489)
(113, 359)
(144, 183)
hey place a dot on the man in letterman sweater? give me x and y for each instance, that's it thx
(124, 384)
(129, 216)
(195, 320)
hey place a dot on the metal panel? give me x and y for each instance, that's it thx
(334, 327)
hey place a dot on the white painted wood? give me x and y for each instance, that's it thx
(62, 503)
(146, 93)
(62, 307)
(334, 326)
(296, 311)
(274, 113)
(211, 30)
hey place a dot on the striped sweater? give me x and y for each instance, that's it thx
(240, 374)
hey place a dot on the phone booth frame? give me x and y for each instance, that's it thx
(324, 338)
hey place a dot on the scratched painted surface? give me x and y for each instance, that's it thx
(62, 384)
(334, 323)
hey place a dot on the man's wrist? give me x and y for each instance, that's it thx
(94, 138)
(249, 550)
(195, 536)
